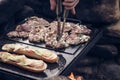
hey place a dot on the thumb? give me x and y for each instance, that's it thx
(52, 4)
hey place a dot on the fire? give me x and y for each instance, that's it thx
(72, 77)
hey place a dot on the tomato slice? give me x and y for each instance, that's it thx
(30, 51)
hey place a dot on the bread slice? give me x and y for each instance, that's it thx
(23, 62)
(31, 51)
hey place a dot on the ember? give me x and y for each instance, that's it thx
(72, 77)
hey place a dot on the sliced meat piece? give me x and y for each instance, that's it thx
(23, 34)
(68, 26)
(80, 29)
(18, 28)
(24, 27)
(34, 38)
(33, 23)
(41, 21)
(53, 26)
(50, 40)
(73, 39)
(84, 38)
(57, 44)
(37, 34)
(13, 34)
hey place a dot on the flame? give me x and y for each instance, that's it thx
(72, 77)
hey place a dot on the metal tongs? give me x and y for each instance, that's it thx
(60, 29)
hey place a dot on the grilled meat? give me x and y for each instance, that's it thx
(37, 30)
(51, 41)
(38, 21)
(23, 34)
(13, 34)
(80, 29)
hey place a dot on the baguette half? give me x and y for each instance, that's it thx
(31, 51)
(23, 62)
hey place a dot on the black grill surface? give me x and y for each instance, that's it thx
(68, 57)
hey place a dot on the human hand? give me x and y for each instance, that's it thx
(68, 4)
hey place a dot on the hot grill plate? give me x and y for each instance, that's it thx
(68, 57)
(70, 50)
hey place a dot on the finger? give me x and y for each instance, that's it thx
(73, 11)
(69, 1)
(52, 4)
(72, 8)
(68, 4)
(71, 4)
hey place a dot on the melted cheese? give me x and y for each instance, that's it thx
(21, 60)
(10, 57)
(5, 57)
(38, 51)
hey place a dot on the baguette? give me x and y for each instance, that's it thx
(23, 62)
(31, 51)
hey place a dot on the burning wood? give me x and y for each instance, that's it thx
(72, 77)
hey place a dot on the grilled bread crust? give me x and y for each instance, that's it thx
(31, 51)
(23, 62)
